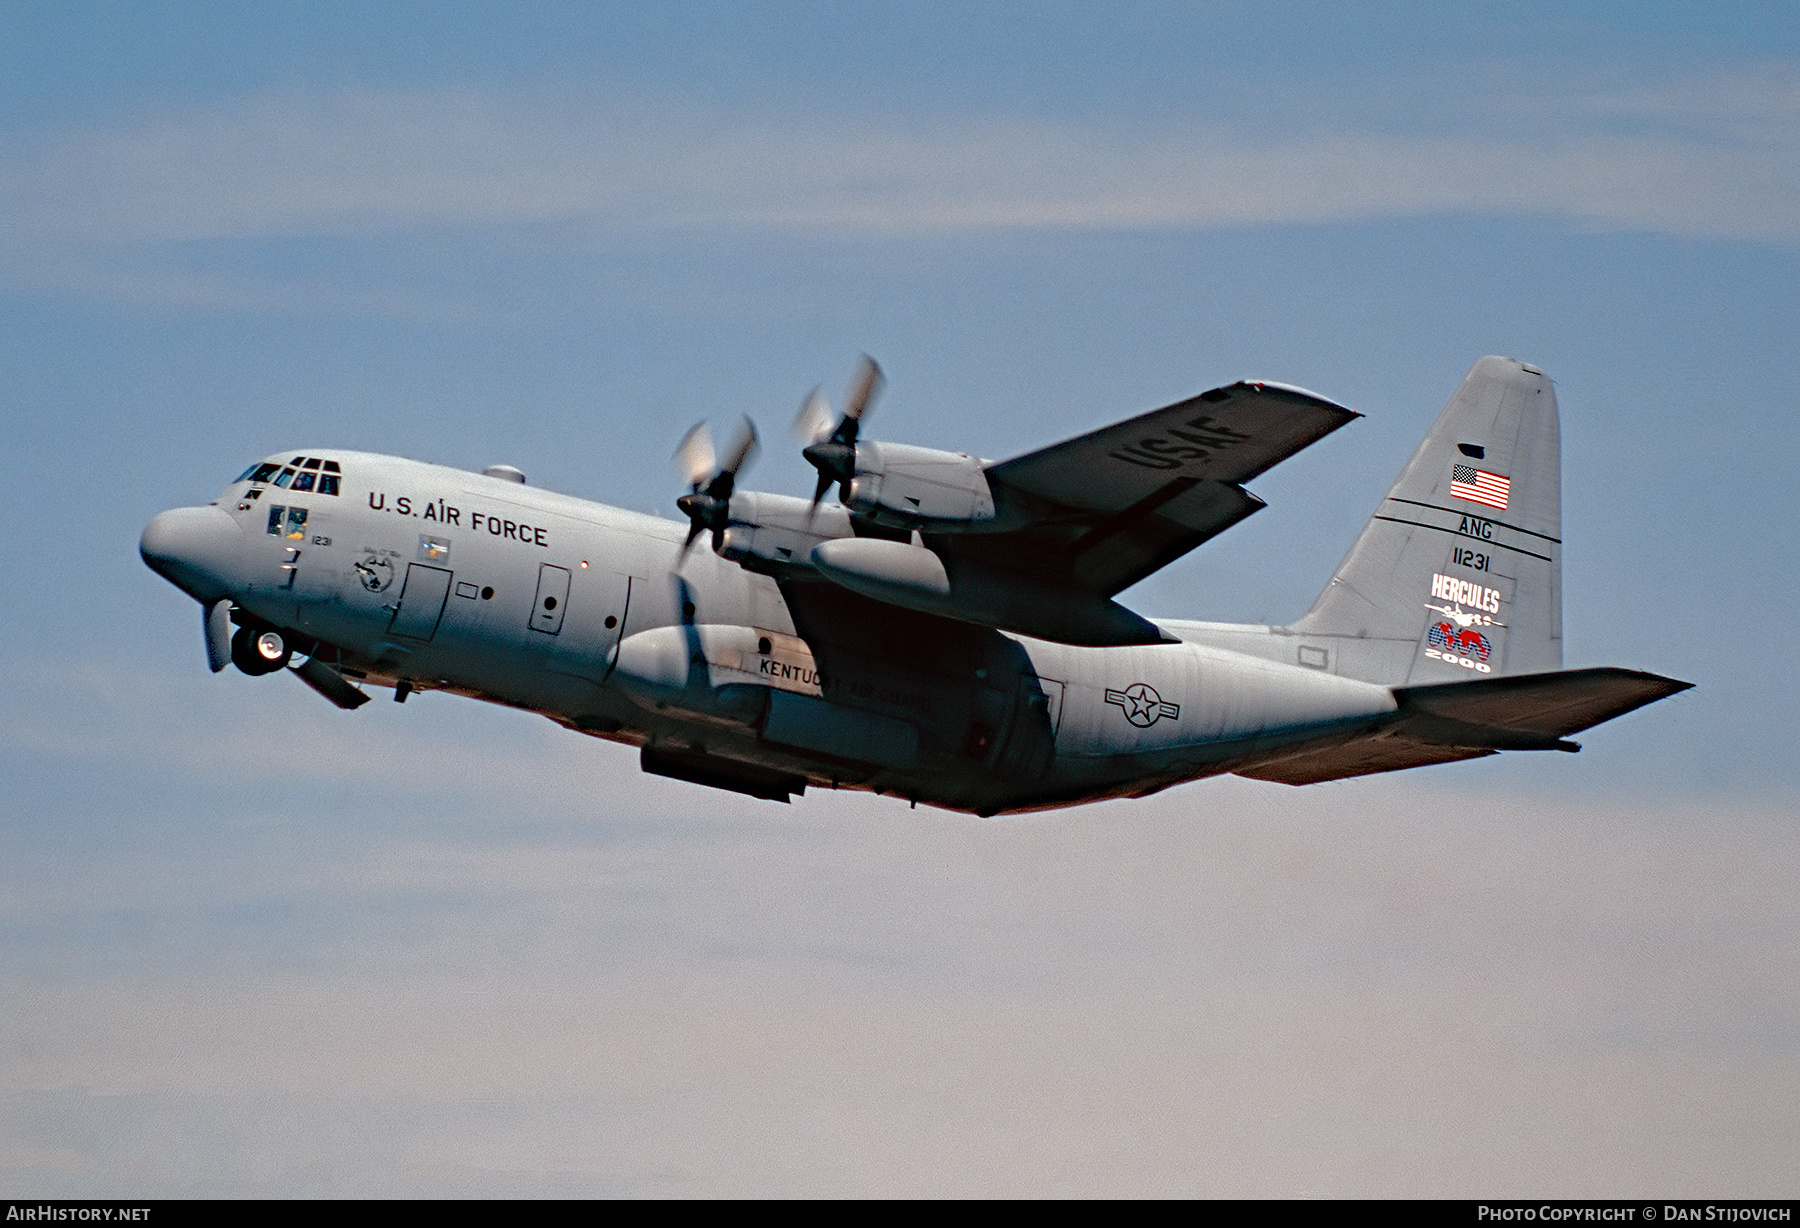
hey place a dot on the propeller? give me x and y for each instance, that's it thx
(831, 442)
(707, 505)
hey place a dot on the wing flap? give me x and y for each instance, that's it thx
(1108, 553)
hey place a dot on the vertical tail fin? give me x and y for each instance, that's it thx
(1459, 573)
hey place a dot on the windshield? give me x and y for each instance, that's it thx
(302, 473)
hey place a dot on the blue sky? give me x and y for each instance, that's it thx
(555, 240)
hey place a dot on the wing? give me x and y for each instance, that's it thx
(1102, 511)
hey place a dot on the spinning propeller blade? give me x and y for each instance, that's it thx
(742, 449)
(814, 423)
(869, 380)
(833, 448)
(707, 505)
(695, 456)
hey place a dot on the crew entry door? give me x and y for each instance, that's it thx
(552, 599)
(421, 602)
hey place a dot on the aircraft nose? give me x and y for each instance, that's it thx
(193, 548)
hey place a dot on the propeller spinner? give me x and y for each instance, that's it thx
(831, 443)
(707, 505)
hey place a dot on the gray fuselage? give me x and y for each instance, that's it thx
(428, 578)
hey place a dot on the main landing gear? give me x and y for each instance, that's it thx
(258, 652)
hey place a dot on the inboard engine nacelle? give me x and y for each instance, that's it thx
(759, 682)
(776, 534)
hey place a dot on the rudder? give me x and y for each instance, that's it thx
(1459, 572)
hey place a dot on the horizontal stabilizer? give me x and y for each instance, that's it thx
(1387, 751)
(1550, 705)
(1445, 722)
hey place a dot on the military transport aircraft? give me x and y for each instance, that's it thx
(946, 632)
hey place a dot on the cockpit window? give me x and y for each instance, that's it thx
(302, 473)
(244, 476)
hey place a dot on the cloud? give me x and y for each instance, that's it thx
(1230, 989)
(1706, 157)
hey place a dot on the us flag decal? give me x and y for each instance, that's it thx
(1479, 486)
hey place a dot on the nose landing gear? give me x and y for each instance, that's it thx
(258, 652)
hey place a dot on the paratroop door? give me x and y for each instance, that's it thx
(596, 604)
(552, 600)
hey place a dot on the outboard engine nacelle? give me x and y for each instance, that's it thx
(908, 487)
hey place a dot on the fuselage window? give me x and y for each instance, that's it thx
(304, 481)
(287, 522)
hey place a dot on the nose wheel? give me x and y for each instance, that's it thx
(259, 652)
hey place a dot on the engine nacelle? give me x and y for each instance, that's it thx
(775, 534)
(915, 578)
(757, 682)
(908, 487)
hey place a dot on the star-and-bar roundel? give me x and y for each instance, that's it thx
(1142, 706)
